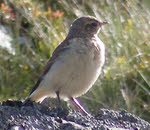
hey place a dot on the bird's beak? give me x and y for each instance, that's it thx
(103, 23)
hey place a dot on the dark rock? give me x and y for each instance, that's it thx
(16, 115)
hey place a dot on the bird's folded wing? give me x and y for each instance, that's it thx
(58, 51)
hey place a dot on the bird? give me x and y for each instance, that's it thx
(74, 66)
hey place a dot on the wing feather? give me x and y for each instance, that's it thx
(58, 51)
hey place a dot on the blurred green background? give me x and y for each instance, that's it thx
(31, 29)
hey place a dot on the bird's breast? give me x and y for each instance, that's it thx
(91, 50)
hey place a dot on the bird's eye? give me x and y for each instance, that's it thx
(94, 24)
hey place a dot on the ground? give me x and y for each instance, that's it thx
(15, 115)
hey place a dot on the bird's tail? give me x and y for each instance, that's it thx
(27, 101)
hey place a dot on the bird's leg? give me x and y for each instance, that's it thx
(58, 99)
(60, 111)
(76, 102)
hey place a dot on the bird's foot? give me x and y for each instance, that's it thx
(61, 112)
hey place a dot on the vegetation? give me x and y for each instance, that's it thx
(37, 27)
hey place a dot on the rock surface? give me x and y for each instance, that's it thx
(14, 115)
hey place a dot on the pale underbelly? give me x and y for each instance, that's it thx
(71, 80)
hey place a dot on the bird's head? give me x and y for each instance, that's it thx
(85, 27)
